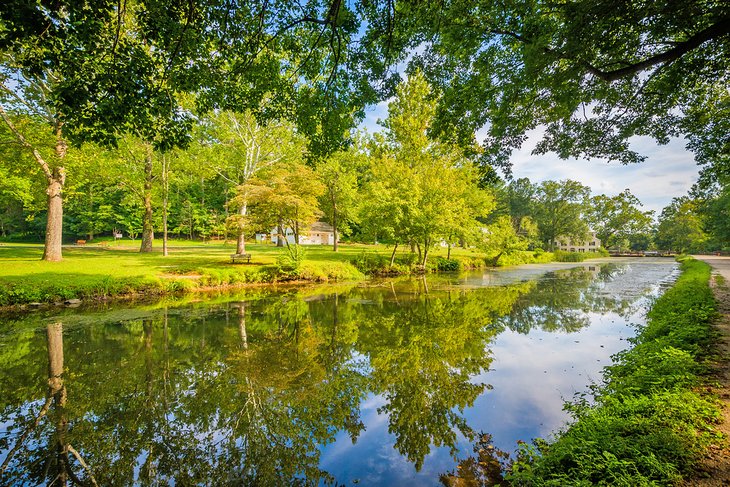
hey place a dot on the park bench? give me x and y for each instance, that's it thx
(247, 257)
(81, 242)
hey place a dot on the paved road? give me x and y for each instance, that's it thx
(720, 264)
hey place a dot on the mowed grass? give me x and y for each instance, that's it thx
(111, 268)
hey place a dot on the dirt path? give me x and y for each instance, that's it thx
(717, 466)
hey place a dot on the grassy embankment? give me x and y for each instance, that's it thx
(650, 422)
(109, 269)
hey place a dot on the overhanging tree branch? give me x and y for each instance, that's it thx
(719, 29)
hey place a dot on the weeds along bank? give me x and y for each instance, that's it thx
(103, 273)
(649, 423)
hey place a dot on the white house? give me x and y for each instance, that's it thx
(319, 233)
(566, 244)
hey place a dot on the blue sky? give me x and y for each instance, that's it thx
(669, 171)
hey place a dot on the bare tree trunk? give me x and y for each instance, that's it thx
(147, 230)
(225, 227)
(54, 223)
(392, 256)
(448, 252)
(334, 226)
(241, 242)
(165, 194)
(91, 212)
(281, 238)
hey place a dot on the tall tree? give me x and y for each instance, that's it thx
(428, 187)
(242, 148)
(559, 210)
(338, 174)
(616, 219)
(680, 227)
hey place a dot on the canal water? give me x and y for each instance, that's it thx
(392, 382)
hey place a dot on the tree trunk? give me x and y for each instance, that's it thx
(425, 254)
(280, 237)
(448, 252)
(54, 223)
(241, 242)
(225, 227)
(334, 226)
(56, 178)
(91, 212)
(165, 194)
(392, 256)
(147, 230)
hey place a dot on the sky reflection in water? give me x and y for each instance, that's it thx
(380, 384)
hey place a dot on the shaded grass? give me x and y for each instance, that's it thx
(649, 424)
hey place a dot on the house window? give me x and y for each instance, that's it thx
(592, 244)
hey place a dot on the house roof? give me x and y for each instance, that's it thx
(321, 227)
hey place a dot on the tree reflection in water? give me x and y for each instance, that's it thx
(249, 390)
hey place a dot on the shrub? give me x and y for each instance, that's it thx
(290, 262)
(447, 265)
(371, 263)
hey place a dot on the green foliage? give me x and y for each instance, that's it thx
(628, 440)
(647, 426)
(618, 220)
(447, 265)
(562, 256)
(680, 227)
(370, 263)
(558, 210)
(290, 262)
(421, 191)
(594, 74)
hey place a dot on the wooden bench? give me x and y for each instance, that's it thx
(247, 257)
(81, 242)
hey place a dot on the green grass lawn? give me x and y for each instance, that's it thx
(110, 268)
(104, 268)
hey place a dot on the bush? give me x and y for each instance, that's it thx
(447, 265)
(290, 262)
(371, 263)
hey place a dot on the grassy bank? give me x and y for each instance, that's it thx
(648, 423)
(108, 269)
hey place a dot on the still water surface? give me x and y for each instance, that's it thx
(386, 383)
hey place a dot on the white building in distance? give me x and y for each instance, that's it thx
(566, 244)
(319, 233)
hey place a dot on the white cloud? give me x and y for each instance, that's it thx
(668, 171)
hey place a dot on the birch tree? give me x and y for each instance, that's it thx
(241, 148)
